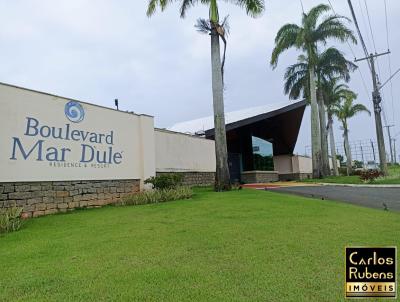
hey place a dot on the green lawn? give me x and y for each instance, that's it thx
(392, 178)
(242, 245)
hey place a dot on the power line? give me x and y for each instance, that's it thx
(358, 29)
(376, 96)
(377, 100)
(389, 61)
(351, 49)
(364, 22)
(390, 78)
(354, 55)
(372, 35)
(370, 27)
(377, 61)
(371, 32)
(386, 23)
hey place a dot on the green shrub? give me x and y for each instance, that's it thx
(10, 219)
(157, 196)
(165, 181)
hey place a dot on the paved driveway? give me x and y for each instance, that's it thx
(363, 196)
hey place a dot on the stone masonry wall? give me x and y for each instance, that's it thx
(195, 178)
(259, 176)
(295, 176)
(43, 198)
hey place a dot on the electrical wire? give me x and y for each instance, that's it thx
(370, 27)
(364, 23)
(358, 29)
(354, 55)
(365, 48)
(372, 36)
(377, 60)
(389, 61)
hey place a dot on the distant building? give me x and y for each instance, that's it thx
(261, 141)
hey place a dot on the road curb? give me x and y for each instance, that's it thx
(359, 186)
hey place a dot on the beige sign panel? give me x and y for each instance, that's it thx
(49, 138)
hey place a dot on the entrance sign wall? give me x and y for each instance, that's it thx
(49, 138)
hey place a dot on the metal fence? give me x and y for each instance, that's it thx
(361, 150)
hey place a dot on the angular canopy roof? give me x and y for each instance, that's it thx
(277, 123)
(237, 118)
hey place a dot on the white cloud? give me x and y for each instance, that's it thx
(101, 50)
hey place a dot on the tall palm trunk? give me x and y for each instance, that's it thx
(222, 180)
(347, 149)
(315, 131)
(324, 135)
(333, 145)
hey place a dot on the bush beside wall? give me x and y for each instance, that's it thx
(10, 219)
(157, 196)
(165, 181)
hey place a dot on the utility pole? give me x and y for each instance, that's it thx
(394, 151)
(373, 150)
(390, 142)
(377, 99)
(376, 96)
(362, 155)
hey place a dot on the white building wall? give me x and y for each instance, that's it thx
(133, 139)
(178, 152)
(305, 164)
(283, 164)
(288, 164)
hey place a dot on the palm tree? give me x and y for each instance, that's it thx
(344, 111)
(334, 93)
(306, 38)
(297, 80)
(330, 64)
(253, 8)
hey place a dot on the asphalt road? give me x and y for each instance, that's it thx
(368, 197)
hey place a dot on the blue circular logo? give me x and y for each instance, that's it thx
(74, 112)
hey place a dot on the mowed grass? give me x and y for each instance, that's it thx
(392, 179)
(242, 245)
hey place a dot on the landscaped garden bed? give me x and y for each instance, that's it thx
(392, 179)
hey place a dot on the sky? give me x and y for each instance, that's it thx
(99, 50)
